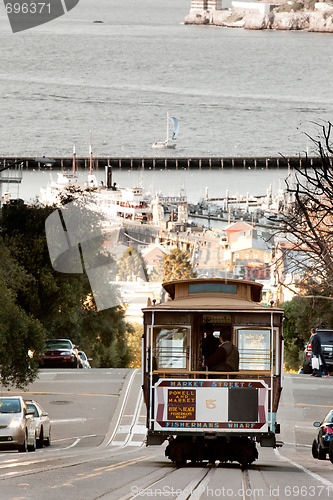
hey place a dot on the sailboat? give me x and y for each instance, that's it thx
(167, 144)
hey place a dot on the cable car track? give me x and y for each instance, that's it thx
(198, 487)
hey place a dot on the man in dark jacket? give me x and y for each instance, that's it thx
(318, 353)
(226, 357)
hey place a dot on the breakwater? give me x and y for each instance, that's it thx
(160, 163)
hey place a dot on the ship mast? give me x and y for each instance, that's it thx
(167, 138)
(74, 161)
(90, 154)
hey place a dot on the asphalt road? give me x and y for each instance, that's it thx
(98, 452)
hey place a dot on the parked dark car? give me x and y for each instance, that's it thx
(326, 338)
(59, 353)
(323, 442)
(42, 423)
(17, 427)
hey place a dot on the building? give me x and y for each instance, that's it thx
(248, 252)
(153, 256)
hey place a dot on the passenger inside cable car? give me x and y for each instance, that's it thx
(226, 357)
(175, 349)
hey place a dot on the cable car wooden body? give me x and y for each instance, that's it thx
(212, 415)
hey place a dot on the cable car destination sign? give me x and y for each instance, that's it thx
(211, 404)
(181, 404)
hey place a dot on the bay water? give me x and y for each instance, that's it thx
(235, 92)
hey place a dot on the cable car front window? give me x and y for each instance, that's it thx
(254, 347)
(171, 347)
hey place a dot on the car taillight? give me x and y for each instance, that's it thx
(308, 350)
(328, 430)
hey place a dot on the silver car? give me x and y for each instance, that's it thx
(42, 423)
(84, 361)
(17, 426)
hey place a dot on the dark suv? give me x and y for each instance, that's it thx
(326, 338)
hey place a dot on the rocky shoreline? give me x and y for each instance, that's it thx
(318, 20)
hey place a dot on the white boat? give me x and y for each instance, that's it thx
(167, 144)
(107, 198)
(67, 182)
(113, 202)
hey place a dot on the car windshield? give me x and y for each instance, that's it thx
(10, 405)
(82, 355)
(326, 337)
(58, 344)
(329, 417)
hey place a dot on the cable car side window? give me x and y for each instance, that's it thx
(171, 347)
(254, 345)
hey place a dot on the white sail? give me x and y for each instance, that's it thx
(167, 144)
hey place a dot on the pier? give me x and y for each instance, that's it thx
(160, 163)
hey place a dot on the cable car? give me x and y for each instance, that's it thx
(212, 415)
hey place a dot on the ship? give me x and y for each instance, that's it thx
(113, 201)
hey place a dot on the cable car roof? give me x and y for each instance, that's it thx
(214, 293)
(213, 286)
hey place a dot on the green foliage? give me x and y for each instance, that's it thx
(177, 265)
(48, 304)
(301, 314)
(55, 299)
(157, 273)
(132, 266)
(112, 351)
(21, 336)
(134, 343)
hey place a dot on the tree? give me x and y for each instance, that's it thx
(62, 304)
(132, 266)
(157, 273)
(21, 336)
(55, 299)
(301, 314)
(177, 265)
(134, 342)
(308, 224)
(308, 228)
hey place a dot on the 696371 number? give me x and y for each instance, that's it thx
(28, 8)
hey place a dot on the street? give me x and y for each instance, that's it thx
(98, 451)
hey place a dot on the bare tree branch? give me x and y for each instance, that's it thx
(308, 222)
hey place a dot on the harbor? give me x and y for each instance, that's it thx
(229, 234)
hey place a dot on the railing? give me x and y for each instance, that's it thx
(11, 175)
(255, 359)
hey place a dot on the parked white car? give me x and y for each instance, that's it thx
(42, 423)
(84, 363)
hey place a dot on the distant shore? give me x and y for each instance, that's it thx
(318, 20)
